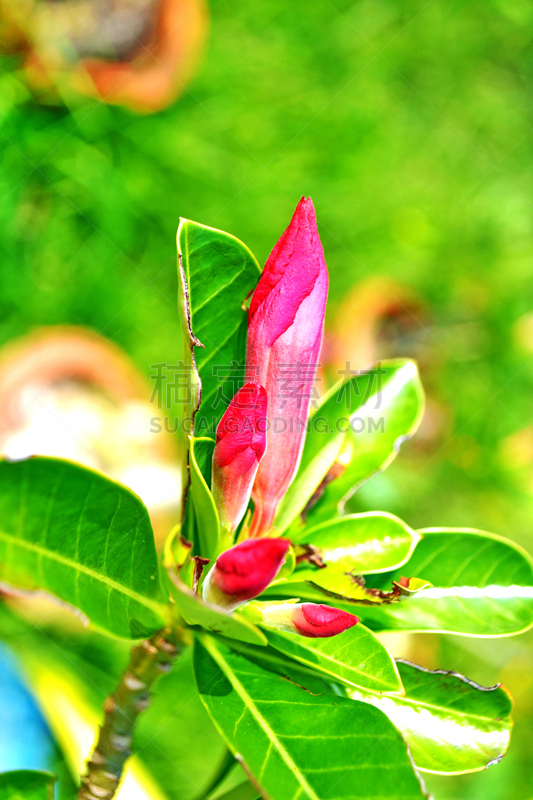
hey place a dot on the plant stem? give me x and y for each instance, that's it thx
(148, 661)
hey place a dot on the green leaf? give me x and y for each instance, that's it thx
(351, 545)
(482, 586)
(244, 791)
(223, 774)
(216, 274)
(297, 745)
(362, 595)
(72, 533)
(196, 611)
(25, 784)
(354, 657)
(207, 521)
(451, 724)
(357, 431)
(203, 456)
(273, 660)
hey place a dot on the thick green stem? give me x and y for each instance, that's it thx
(148, 661)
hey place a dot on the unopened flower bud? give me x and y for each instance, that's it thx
(285, 329)
(307, 619)
(244, 571)
(240, 444)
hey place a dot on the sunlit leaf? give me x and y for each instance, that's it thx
(350, 545)
(356, 432)
(482, 586)
(298, 745)
(362, 594)
(272, 659)
(207, 522)
(451, 724)
(354, 657)
(74, 534)
(216, 273)
(244, 791)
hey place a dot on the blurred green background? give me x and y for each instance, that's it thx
(409, 123)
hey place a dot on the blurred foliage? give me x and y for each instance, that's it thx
(410, 125)
(176, 741)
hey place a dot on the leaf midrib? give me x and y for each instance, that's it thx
(448, 709)
(53, 556)
(247, 700)
(409, 701)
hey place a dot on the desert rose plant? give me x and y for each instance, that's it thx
(279, 591)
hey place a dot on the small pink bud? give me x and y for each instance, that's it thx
(240, 444)
(285, 330)
(307, 619)
(244, 571)
(315, 620)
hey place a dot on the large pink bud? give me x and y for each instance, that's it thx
(240, 444)
(285, 330)
(307, 619)
(244, 571)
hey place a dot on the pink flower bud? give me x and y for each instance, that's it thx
(244, 571)
(307, 619)
(285, 330)
(315, 620)
(240, 444)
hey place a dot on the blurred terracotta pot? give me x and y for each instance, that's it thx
(371, 323)
(69, 393)
(379, 319)
(357, 328)
(62, 43)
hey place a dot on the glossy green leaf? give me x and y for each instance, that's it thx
(244, 791)
(216, 274)
(354, 657)
(273, 660)
(224, 777)
(351, 545)
(358, 428)
(298, 745)
(74, 534)
(196, 611)
(362, 596)
(451, 724)
(25, 784)
(207, 521)
(482, 586)
(203, 456)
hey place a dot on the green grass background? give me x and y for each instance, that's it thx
(410, 124)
